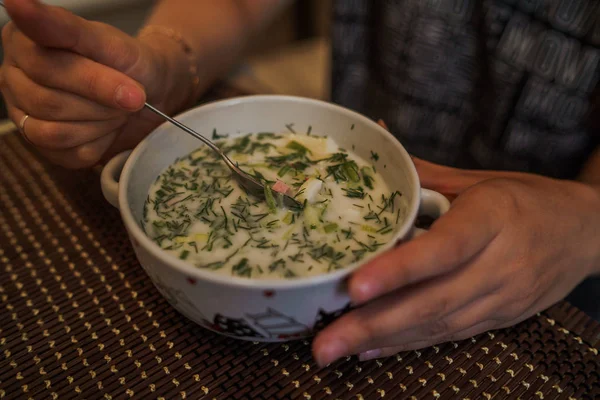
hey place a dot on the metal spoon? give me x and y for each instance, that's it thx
(246, 181)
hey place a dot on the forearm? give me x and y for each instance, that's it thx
(590, 175)
(591, 171)
(218, 32)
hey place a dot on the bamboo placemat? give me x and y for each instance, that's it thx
(79, 318)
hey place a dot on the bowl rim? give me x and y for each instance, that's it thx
(196, 273)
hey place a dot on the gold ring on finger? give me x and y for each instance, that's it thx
(22, 127)
(22, 123)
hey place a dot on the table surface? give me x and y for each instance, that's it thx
(80, 318)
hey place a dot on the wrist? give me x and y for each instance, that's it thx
(176, 69)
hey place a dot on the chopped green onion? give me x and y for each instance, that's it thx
(184, 254)
(270, 199)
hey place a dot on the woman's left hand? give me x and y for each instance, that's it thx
(511, 245)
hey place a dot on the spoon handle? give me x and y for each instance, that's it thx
(185, 128)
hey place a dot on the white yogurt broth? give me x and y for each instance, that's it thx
(197, 212)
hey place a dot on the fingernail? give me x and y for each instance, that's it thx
(331, 352)
(369, 355)
(365, 291)
(130, 97)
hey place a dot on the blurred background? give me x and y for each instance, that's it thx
(291, 57)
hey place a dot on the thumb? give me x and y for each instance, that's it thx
(446, 180)
(435, 175)
(55, 27)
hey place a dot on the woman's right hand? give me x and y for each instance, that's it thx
(83, 84)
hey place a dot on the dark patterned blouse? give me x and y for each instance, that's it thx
(494, 84)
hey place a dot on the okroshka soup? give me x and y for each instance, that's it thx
(197, 212)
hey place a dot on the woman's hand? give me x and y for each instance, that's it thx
(511, 245)
(83, 83)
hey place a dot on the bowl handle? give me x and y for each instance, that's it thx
(433, 204)
(109, 179)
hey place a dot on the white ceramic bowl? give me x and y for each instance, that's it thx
(259, 310)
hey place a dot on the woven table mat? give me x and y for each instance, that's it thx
(81, 319)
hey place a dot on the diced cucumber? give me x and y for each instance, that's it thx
(332, 227)
(288, 218)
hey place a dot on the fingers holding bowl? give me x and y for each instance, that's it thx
(391, 349)
(483, 313)
(476, 317)
(441, 250)
(432, 311)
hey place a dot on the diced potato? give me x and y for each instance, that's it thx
(309, 190)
